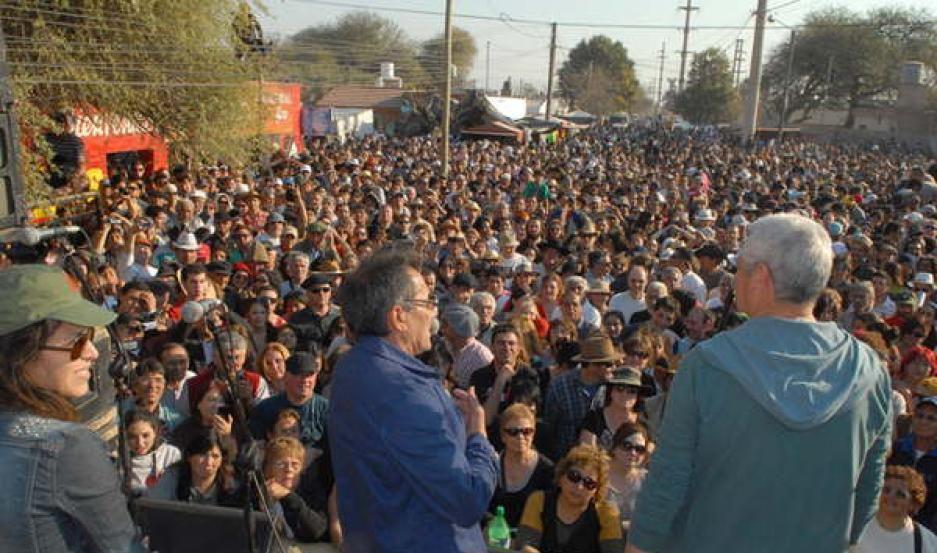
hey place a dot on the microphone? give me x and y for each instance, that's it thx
(195, 311)
(30, 236)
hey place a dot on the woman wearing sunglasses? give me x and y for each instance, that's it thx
(630, 451)
(575, 517)
(523, 469)
(893, 530)
(61, 492)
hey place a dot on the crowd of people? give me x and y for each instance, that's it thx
(565, 283)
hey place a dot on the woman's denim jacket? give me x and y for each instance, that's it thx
(59, 492)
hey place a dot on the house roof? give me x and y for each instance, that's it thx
(495, 128)
(348, 96)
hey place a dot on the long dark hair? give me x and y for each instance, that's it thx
(201, 444)
(17, 391)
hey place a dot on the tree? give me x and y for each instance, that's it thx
(843, 59)
(709, 95)
(433, 56)
(350, 51)
(598, 76)
(168, 66)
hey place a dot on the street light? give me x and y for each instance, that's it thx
(782, 116)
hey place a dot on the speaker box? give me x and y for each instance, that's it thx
(12, 208)
(179, 527)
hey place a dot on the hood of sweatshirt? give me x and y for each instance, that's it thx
(802, 372)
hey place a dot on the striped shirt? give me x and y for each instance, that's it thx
(469, 359)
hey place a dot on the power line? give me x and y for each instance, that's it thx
(591, 25)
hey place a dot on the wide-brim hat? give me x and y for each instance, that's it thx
(922, 279)
(34, 293)
(186, 241)
(328, 267)
(599, 287)
(507, 239)
(597, 348)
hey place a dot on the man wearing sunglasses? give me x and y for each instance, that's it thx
(312, 322)
(60, 490)
(782, 407)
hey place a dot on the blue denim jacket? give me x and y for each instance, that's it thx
(408, 478)
(60, 491)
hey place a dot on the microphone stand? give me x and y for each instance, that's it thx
(118, 368)
(247, 461)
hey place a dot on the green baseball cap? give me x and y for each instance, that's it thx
(34, 293)
(317, 226)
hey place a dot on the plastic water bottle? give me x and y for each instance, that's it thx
(499, 533)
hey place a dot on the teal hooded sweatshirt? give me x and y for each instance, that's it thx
(774, 440)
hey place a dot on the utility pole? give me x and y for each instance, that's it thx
(487, 66)
(550, 74)
(686, 39)
(782, 117)
(660, 78)
(750, 123)
(447, 115)
(737, 61)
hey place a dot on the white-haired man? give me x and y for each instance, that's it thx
(776, 432)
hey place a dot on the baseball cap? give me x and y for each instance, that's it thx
(301, 364)
(34, 293)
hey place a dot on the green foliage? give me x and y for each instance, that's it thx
(843, 59)
(165, 65)
(598, 76)
(350, 51)
(433, 56)
(709, 96)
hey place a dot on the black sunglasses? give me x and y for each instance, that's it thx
(77, 347)
(515, 432)
(625, 388)
(320, 290)
(634, 447)
(577, 477)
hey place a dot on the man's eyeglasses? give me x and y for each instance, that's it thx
(428, 303)
(515, 432)
(76, 347)
(577, 477)
(320, 290)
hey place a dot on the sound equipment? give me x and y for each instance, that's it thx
(12, 210)
(179, 527)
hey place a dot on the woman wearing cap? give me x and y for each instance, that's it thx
(622, 392)
(575, 517)
(61, 492)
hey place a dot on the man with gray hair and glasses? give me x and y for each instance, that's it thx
(413, 466)
(776, 432)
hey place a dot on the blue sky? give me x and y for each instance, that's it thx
(521, 50)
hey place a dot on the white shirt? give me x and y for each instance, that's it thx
(626, 304)
(876, 539)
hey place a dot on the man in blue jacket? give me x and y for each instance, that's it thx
(775, 434)
(413, 465)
